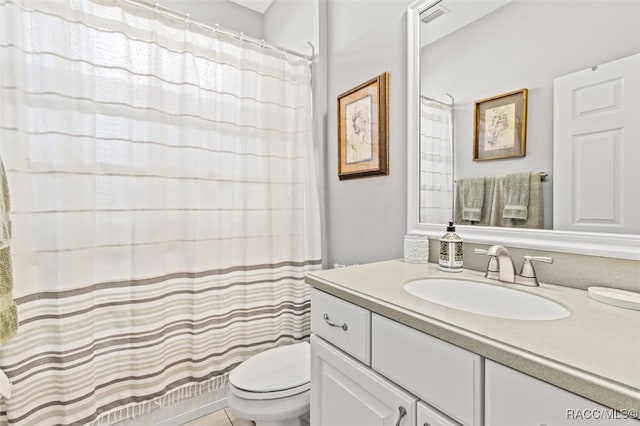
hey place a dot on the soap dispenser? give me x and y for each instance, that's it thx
(450, 259)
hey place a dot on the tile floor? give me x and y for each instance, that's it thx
(219, 418)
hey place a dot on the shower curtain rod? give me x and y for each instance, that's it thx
(216, 29)
(437, 101)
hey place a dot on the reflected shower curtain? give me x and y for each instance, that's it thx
(436, 161)
(164, 207)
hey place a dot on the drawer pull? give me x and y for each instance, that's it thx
(326, 319)
(401, 413)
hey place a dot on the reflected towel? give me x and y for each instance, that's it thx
(8, 310)
(472, 198)
(534, 216)
(516, 196)
(485, 215)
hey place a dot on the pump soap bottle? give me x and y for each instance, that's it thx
(450, 251)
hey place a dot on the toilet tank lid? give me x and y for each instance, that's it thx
(275, 369)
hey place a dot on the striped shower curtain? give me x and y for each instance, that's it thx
(164, 207)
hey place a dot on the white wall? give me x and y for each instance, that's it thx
(366, 218)
(525, 44)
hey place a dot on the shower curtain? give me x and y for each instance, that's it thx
(436, 161)
(164, 207)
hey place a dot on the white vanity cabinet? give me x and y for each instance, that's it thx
(514, 398)
(406, 365)
(372, 371)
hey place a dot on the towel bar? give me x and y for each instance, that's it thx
(543, 176)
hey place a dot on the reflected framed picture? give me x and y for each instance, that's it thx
(363, 129)
(500, 128)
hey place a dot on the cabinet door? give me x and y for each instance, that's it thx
(346, 393)
(513, 398)
(429, 416)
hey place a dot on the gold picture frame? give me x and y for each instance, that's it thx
(363, 129)
(500, 126)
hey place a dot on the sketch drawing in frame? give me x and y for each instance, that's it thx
(362, 129)
(500, 128)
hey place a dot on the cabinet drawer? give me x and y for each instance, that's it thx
(344, 324)
(445, 376)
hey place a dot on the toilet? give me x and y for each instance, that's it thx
(272, 387)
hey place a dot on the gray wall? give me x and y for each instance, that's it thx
(293, 23)
(366, 218)
(525, 44)
(223, 12)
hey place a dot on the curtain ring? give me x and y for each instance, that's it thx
(262, 43)
(216, 28)
(155, 10)
(187, 20)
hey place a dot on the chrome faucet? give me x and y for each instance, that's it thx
(502, 268)
(506, 268)
(528, 273)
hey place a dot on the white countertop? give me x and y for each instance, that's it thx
(594, 352)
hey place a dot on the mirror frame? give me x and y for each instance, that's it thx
(624, 246)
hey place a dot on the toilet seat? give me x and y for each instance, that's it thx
(275, 373)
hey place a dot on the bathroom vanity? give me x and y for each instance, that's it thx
(381, 355)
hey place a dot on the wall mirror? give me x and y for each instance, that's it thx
(462, 51)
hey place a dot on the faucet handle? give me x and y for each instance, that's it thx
(543, 259)
(493, 270)
(528, 273)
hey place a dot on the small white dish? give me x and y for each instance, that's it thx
(616, 297)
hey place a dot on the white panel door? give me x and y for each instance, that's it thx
(596, 157)
(346, 393)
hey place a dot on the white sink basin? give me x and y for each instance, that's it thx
(486, 299)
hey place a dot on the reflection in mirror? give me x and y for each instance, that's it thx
(436, 159)
(472, 50)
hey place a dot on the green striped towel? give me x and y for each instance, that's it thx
(8, 310)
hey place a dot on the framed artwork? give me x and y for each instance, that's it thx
(500, 128)
(362, 130)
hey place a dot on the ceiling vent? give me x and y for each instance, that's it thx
(434, 13)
